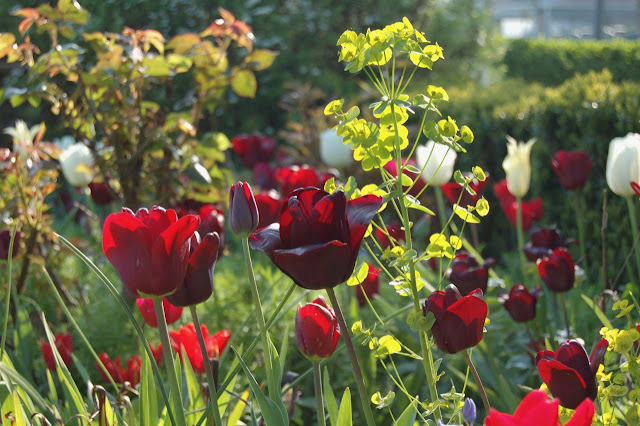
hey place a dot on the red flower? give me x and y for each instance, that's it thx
(572, 168)
(532, 210)
(172, 313)
(253, 148)
(243, 211)
(100, 193)
(198, 283)
(117, 372)
(468, 275)
(212, 220)
(5, 240)
(185, 339)
(64, 345)
(317, 330)
(537, 409)
(264, 176)
(569, 374)
(132, 373)
(459, 320)
(543, 241)
(318, 238)
(294, 177)
(419, 185)
(453, 189)
(269, 206)
(149, 249)
(557, 270)
(157, 352)
(370, 285)
(520, 302)
(394, 234)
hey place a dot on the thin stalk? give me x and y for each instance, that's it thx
(519, 231)
(266, 347)
(5, 323)
(634, 229)
(357, 371)
(566, 316)
(441, 209)
(178, 409)
(213, 392)
(317, 380)
(581, 231)
(483, 394)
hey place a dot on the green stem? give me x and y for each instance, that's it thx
(581, 231)
(519, 231)
(274, 393)
(441, 209)
(566, 316)
(634, 229)
(167, 355)
(317, 380)
(357, 371)
(213, 392)
(5, 323)
(483, 394)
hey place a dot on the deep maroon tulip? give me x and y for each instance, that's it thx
(254, 148)
(468, 275)
(543, 242)
(212, 220)
(569, 373)
(294, 177)
(243, 211)
(572, 168)
(317, 240)
(269, 206)
(198, 283)
(100, 193)
(172, 313)
(395, 231)
(5, 241)
(370, 285)
(64, 345)
(557, 270)
(532, 210)
(459, 319)
(520, 302)
(317, 330)
(149, 249)
(264, 176)
(453, 189)
(419, 185)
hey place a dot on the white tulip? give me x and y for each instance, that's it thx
(517, 166)
(439, 160)
(333, 152)
(77, 164)
(623, 164)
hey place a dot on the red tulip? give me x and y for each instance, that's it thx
(294, 177)
(5, 240)
(557, 270)
(117, 372)
(185, 339)
(318, 238)
(468, 275)
(532, 210)
(543, 241)
(198, 283)
(132, 373)
(569, 374)
(452, 191)
(537, 409)
(243, 211)
(171, 313)
(459, 319)
(212, 220)
(419, 185)
(317, 330)
(269, 206)
(572, 168)
(157, 352)
(149, 249)
(520, 302)
(100, 193)
(394, 234)
(253, 148)
(370, 286)
(64, 345)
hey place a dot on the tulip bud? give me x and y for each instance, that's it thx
(557, 270)
(243, 211)
(77, 164)
(572, 168)
(623, 164)
(317, 330)
(517, 166)
(333, 151)
(439, 160)
(5, 241)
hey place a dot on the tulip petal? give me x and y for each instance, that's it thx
(463, 322)
(267, 240)
(583, 415)
(597, 356)
(537, 409)
(564, 382)
(359, 213)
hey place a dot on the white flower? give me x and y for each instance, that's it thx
(439, 160)
(623, 164)
(517, 166)
(22, 137)
(333, 152)
(77, 164)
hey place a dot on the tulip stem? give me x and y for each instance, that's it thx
(577, 204)
(483, 394)
(441, 209)
(634, 229)
(317, 380)
(357, 371)
(178, 409)
(213, 391)
(274, 394)
(519, 230)
(566, 316)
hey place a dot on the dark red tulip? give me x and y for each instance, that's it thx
(459, 319)
(254, 148)
(419, 185)
(243, 211)
(198, 283)
(185, 339)
(171, 313)
(572, 168)
(5, 241)
(467, 274)
(117, 372)
(453, 189)
(294, 177)
(132, 373)
(100, 193)
(212, 220)
(532, 210)
(538, 409)
(520, 302)
(557, 270)
(269, 205)
(395, 234)
(317, 330)
(370, 285)
(569, 373)
(264, 176)
(149, 249)
(318, 238)
(64, 345)
(543, 242)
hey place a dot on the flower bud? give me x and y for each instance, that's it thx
(623, 164)
(517, 166)
(333, 151)
(77, 164)
(317, 330)
(243, 211)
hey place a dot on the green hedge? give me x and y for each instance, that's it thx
(551, 62)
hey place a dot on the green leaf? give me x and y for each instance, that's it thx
(482, 207)
(360, 276)
(260, 59)
(383, 401)
(464, 214)
(407, 417)
(238, 409)
(148, 393)
(244, 83)
(332, 404)
(344, 415)
(156, 66)
(478, 173)
(387, 345)
(601, 316)
(179, 63)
